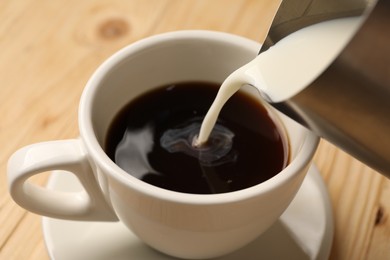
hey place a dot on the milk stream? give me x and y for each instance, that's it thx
(286, 68)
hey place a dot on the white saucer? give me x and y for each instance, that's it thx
(304, 231)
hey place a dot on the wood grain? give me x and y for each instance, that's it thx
(49, 49)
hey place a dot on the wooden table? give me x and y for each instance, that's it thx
(50, 48)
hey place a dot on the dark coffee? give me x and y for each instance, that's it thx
(151, 138)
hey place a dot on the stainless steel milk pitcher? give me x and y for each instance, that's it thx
(349, 103)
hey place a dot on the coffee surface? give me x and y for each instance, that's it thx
(152, 139)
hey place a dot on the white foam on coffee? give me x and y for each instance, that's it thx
(286, 68)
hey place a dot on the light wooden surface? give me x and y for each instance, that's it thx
(48, 50)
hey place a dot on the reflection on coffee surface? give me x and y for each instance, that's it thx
(152, 138)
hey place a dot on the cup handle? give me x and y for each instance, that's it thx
(68, 155)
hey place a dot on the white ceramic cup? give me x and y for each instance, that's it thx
(178, 224)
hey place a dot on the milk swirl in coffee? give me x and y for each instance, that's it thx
(152, 139)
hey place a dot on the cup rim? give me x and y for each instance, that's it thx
(101, 159)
